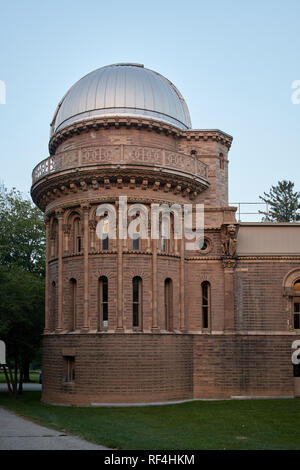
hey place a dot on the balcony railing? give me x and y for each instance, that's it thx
(119, 155)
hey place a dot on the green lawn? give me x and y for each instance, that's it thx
(246, 424)
(34, 377)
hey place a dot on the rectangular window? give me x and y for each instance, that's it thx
(136, 302)
(103, 302)
(69, 369)
(105, 243)
(296, 370)
(136, 243)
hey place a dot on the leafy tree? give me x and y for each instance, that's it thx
(283, 203)
(21, 319)
(22, 232)
(22, 258)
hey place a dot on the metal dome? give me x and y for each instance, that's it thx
(122, 90)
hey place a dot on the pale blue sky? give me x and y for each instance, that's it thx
(234, 62)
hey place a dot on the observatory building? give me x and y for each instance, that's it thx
(137, 320)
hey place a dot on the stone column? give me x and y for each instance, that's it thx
(60, 214)
(85, 212)
(92, 227)
(120, 243)
(181, 282)
(229, 265)
(155, 327)
(47, 224)
(148, 248)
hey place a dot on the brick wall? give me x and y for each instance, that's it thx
(147, 367)
(259, 300)
(118, 368)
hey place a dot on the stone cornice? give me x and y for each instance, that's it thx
(138, 123)
(208, 134)
(266, 257)
(52, 189)
(203, 258)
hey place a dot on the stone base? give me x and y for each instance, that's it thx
(147, 368)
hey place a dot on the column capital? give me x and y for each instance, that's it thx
(229, 263)
(85, 206)
(59, 213)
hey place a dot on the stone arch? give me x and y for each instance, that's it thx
(292, 298)
(289, 280)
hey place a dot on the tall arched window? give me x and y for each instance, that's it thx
(136, 235)
(103, 302)
(165, 232)
(296, 302)
(105, 240)
(205, 288)
(73, 301)
(137, 302)
(168, 296)
(77, 235)
(53, 306)
(54, 239)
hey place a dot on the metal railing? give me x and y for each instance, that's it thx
(243, 215)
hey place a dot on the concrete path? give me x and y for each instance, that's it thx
(20, 434)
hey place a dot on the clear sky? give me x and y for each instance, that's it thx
(234, 62)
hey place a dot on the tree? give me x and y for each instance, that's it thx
(283, 203)
(21, 319)
(22, 232)
(22, 258)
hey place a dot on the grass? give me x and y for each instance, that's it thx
(34, 377)
(246, 424)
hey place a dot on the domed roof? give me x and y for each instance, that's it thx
(124, 90)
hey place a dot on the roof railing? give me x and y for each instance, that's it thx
(242, 211)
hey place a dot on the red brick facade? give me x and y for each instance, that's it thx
(245, 348)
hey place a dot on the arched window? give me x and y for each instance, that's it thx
(296, 302)
(105, 240)
(205, 289)
(54, 239)
(103, 302)
(53, 306)
(77, 235)
(137, 302)
(73, 301)
(166, 232)
(136, 236)
(168, 296)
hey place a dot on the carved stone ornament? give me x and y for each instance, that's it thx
(229, 239)
(229, 263)
(92, 224)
